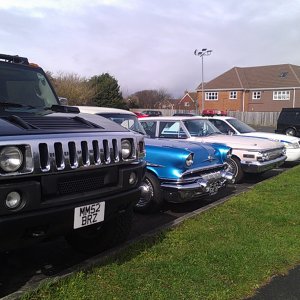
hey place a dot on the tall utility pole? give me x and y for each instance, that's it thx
(202, 53)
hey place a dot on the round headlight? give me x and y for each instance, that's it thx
(189, 160)
(11, 158)
(126, 149)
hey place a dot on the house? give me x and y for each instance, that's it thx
(188, 101)
(260, 88)
(165, 104)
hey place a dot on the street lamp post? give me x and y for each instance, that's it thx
(202, 53)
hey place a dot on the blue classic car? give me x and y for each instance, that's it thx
(177, 171)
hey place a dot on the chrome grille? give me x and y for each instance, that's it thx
(65, 152)
(212, 176)
(274, 153)
(84, 153)
(212, 171)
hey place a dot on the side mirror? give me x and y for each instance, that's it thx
(63, 101)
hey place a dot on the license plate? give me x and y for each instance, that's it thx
(213, 190)
(88, 214)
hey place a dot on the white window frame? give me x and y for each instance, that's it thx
(211, 96)
(281, 95)
(187, 104)
(256, 95)
(233, 95)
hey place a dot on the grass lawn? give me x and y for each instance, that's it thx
(224, 253)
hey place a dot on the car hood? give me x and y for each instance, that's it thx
(192, 146)
(273, 136)
(239, 142)
(52, 122)
(174, 152)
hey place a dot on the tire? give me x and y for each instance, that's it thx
(234, 166)
(99, 237)
(151, 196)
(290, 131)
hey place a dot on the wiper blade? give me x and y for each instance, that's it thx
(12, 104)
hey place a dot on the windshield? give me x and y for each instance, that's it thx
(199, 127)
(130, 122)
(240, 126)
(23, 88)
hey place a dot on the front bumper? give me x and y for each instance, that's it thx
(187, 190)
(45, 214)
(259, 167)
(293, 154)
(34, 226)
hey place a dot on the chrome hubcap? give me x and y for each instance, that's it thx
(232, 167)
(290, 132)
(146, 193)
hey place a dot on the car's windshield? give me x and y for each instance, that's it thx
(23, 88)
(128, 121)
(200, 127)
(240, 126)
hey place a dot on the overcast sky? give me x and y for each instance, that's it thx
(150, 44)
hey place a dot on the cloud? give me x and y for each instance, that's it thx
(150, 44)
(61, 5)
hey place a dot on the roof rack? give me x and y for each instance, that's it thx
(14, 59)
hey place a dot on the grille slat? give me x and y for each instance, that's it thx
(73, 158)
(115, 150)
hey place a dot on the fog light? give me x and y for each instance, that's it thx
(13, 200)
(132, 178)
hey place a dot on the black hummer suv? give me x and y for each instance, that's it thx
(289, 121)
(61, 172)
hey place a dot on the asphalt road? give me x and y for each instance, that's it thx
(22, 269)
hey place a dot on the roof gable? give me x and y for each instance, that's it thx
(273, 76)
(189, 95)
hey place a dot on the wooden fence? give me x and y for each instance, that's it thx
(251, 118)
(256, 118)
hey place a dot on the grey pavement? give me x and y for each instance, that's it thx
(281, 287)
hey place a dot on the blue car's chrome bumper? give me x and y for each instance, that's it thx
(189, 190)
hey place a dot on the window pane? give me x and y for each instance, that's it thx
(171, 130)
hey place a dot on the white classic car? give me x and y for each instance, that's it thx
(230, 125)
(249, 155)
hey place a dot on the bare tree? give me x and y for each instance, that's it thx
(73, 87)
(150, 98)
